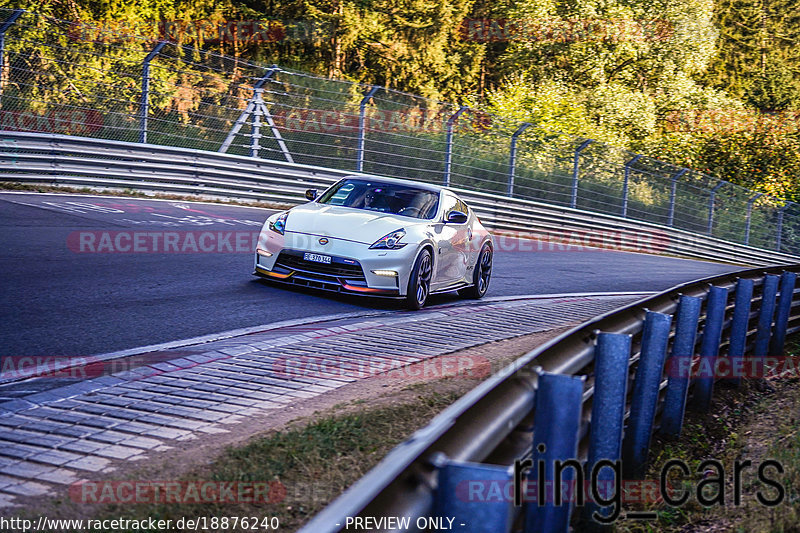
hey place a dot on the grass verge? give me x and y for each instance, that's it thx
(749, 423)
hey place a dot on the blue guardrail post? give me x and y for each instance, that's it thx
(611, 358)
(709, 348)
(679, 366)
(778, 339)
(475, 495)
(555, 438)
(765, 315)
(739, 327)
(646, 386)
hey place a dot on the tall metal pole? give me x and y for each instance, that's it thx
(269, 121)
(779, 233)
(255, 136)
(512, 158)
(747, 218)
(362, 111)
(264, 112)
(673, 192)
(448, 161)
(145, 102)
(711, 197)
(6, 25)
(250, 108)
(574, 201)
(628, 166)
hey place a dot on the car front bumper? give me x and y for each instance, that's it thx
(352, 267)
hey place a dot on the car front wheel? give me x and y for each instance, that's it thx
(419, 283)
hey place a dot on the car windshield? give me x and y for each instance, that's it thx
(398, 199)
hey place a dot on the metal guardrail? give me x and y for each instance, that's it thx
(82, 161)
(577, 388)
(95, 80)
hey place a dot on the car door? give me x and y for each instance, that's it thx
(453, 242)
(463, 244)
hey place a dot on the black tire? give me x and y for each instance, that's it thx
(419, 283)
(482, 275)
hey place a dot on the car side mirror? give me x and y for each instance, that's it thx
(311, 194)
(456, 217)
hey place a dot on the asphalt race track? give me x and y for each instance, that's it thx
(66, 291)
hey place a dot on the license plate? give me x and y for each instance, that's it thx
(317, 258)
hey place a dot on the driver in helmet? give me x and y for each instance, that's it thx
(374, 200)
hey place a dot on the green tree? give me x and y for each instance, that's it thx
(758, 57)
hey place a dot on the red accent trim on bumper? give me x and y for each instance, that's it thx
(355, 288)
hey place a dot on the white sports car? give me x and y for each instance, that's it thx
(380, 237)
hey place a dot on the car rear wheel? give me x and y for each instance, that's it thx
(482, 275)
(419, 283)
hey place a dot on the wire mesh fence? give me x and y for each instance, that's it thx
(70, 78)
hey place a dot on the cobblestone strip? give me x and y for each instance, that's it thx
(61, 434)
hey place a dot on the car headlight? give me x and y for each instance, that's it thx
(279, 226)
(390, 241)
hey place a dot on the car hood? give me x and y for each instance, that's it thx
(357, 225)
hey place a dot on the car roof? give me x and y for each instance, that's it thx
(398, 181)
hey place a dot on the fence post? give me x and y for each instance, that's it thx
(555, 438)
(145, 101)
(788, 281)
(512, 158)
(362, 111)
(625, 184)
(711, 197)
(747, 218)
(611, 358)
(3, 29)
(448, 161)
(646, 388)
(679, 366)
(584, 144)
(740, 324)
(453, 498)
(779, 232)
(709, 347)
(673, 192)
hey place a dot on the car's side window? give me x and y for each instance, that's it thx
(450, 204)
(461, 206)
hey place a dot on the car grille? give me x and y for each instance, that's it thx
(311, 273)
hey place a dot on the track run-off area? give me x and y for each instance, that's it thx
(80, 283)
(67, 291)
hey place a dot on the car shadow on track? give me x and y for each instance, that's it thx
(366, 302)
